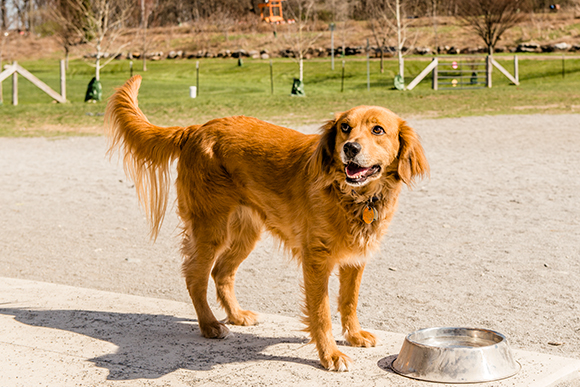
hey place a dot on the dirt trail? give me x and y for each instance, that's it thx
(491, 240)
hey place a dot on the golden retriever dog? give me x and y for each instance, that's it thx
(328, 197)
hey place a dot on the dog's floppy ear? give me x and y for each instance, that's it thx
(412, 160)
(323, 156)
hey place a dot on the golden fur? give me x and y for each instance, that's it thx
(237, 176)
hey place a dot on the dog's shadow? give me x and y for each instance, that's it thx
(151, 346)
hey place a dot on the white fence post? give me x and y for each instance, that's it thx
(423, 74)
(488, 68)
(15, 69)
(62, 79)
(14, 85)
(504, 71)
(435, 74)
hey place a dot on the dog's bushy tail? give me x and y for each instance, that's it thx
(148, 150)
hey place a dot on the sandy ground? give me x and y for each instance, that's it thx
(491, 240)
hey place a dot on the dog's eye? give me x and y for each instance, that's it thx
(345, 127)
(378, 130)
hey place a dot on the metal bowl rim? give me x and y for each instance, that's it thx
(423, 330)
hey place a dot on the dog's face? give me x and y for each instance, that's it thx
(367, 141)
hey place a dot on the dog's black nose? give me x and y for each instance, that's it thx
(352, 149)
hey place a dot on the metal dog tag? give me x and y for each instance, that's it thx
(370, 214)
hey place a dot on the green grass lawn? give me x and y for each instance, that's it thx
(227, 89)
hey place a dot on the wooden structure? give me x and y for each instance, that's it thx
(454, 74)
(14, 69)
(271, 11)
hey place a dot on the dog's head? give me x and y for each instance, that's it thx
(367, 142)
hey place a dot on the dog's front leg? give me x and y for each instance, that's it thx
(317, 309)
(350, 278)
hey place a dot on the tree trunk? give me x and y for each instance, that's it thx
(4, 20)
(66, 55)
(144, 54)
(434, 15)
(98, 67)
(301, 64)
(401, 65)
(30, 16)
(399, 44)
(144, 22)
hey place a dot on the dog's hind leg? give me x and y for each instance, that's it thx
(202, 243)
(244, 230)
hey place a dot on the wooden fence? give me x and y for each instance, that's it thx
(456, 73)
(14, 69)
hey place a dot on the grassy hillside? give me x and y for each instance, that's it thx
(227, 89)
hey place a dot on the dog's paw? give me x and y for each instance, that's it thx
(361, 339)
(336, 361)
(215, 330)
(243, 317)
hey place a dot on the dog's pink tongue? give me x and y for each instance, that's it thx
(355, 169)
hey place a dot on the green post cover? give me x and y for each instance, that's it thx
(94, 91)
(298, 87)
(399, 82)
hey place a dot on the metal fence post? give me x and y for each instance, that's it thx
(197, 77)
(516, 68)
(435, 73)
(342, 78)
(368, 68)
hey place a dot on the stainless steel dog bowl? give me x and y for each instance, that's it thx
(456, 355)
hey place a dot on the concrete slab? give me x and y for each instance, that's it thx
(56, 335)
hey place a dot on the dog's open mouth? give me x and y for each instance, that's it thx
(357, 175)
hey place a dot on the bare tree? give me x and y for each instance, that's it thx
(379, 21)
(101, 23)
(491, 18)
(389, 20)
(302, 34)
(576, 8)
(21, 9)
(146, 11)
(4, 18)
(66, 24)
(434, 5)
(224, 19)
(341, 13)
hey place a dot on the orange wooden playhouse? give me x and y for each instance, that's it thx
(271, 11)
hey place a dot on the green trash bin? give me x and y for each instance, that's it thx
(94, 91)
(298, 88)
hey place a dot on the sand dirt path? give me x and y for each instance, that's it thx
(491, 240)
